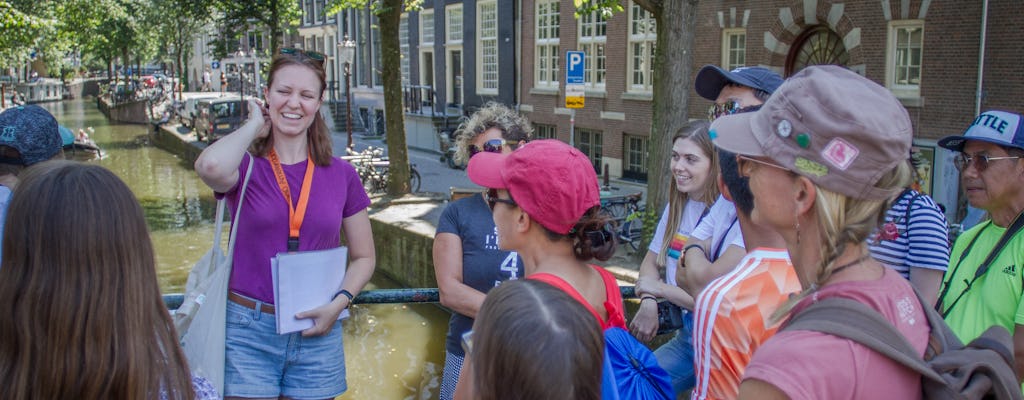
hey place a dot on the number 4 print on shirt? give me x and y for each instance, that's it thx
(510, 265)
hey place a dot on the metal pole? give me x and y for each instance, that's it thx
(572, 127)
(387, 296)
(348, 104)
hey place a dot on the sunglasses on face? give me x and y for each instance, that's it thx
(491, 146)
(728, 108)
(315, 56)
(744, 164)
(980, 161)
(492, 198)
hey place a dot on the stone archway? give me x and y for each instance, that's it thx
(804, 19)
(816, 45)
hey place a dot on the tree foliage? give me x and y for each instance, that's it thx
(277, 16)
(22, 32)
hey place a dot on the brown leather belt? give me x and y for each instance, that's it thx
(250, 303)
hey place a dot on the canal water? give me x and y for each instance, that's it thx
(392, 351)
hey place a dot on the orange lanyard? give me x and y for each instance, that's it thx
(295, 213)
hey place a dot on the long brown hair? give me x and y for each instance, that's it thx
(533, 341)
(697, 131)
(83, 317)
(318, 136)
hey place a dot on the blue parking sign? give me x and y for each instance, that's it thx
(215, 64)
(574, 64)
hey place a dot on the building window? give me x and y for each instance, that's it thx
(642, 41)
(544, 131)
(591, 41)
(635, 164)
(589, 142)
(903, 64)
(255, 41)
(427, 27)
(453, 29)
(734, 48)
(547, 55)
(487, 44)
(307, 11)
(403, 42)
(817, 45)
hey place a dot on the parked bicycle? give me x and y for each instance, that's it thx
(627, 211)
(372, 166)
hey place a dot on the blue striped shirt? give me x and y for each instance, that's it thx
(922, 242)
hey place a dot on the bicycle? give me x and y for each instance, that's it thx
(627, 211)
(372, 167)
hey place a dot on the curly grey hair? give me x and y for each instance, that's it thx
(514, 127)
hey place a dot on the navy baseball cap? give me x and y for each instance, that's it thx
(998, 127)
(711, 79)
(32, 131)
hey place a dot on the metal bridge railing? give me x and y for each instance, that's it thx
(385, 296)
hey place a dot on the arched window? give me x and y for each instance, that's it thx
(816, 45)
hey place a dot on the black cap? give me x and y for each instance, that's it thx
(711, 79)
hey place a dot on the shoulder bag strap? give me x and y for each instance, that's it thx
(852, 320)
(983, 267)
(238, 211)
(1010, 231)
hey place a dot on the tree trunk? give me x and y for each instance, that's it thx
(394, 117)
(676, 26)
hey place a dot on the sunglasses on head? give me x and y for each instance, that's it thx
(728, 108)
(492, 198)
(980, 161)
(315, 56)
(491, 146)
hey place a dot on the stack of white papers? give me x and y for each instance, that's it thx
(304, 281)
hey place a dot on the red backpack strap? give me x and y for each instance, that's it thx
(560, 283)
(612, 299)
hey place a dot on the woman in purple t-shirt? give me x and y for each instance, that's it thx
(823, 156)
(290, 147)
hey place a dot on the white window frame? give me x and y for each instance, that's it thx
(545, 131)
(642, 34)
(403, 44)
(487, 49)
(595, 72)
(546, 42)
(902, 90)
(728, 63)
(427, 28)
(453, 24)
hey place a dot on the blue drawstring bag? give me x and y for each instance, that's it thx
(630, 370)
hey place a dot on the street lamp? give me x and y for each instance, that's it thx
(346, 52)
(241, 73)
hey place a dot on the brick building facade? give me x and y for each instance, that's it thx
(928, 53)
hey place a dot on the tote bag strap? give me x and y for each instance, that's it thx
(238, 212)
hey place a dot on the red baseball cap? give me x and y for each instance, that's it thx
(553, 182)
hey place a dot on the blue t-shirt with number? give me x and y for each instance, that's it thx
(483, 265)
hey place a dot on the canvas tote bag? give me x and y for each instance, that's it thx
(200, 321)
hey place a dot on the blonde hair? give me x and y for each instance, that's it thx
(697, 131)
(846, 221)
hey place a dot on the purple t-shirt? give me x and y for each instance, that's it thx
(811, 365)
(337, 193)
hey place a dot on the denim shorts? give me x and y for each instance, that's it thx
(676, 356)
(260, 363)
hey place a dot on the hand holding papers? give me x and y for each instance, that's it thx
(304, 281)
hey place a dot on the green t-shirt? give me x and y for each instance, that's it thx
(995, 298)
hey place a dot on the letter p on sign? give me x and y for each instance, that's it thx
(575, 62)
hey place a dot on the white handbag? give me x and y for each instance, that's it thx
(201, 318)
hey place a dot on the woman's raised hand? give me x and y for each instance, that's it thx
(261, 120)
